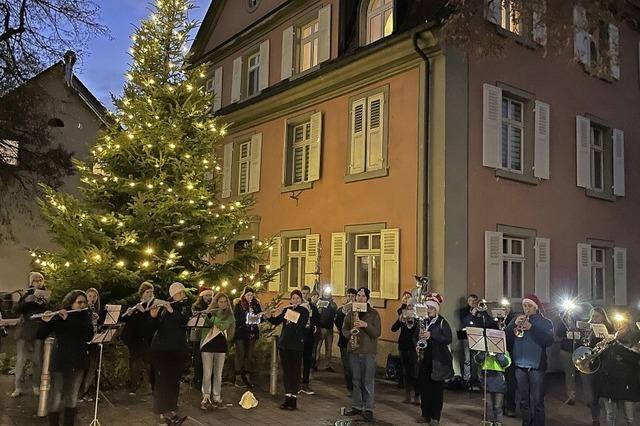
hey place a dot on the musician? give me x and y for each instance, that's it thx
(327, 316)
(407, 341)
(363, 357)
(70, 356)
(246, 337)
(343, 341)
(168, 352)
(96, 315)
(530, 358)
(311, 328)
(27, 343)
(467, 373)
(219, 328)
(291, 346)
(568, 344)
(314, 297)
(436, 361)
(137, 335)
(510, 371)
(598, 316)
(618, 378)
(202, 303)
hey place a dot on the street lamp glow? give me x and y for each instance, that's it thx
(568, 305)
(327, 289)
(505, 302)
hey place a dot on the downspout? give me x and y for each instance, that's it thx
(415, 37)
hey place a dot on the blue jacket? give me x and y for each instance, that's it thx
(530, 350)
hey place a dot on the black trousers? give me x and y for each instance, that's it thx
(291, 362)
(167, 367)
(307, 357)
(431, 397)
(512, 385)
(139, 362)
(409, 361)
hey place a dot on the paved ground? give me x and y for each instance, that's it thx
(461, 408)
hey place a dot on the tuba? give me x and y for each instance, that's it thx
(587, 360)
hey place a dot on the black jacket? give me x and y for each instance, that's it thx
(171, 334)
(313, 322)
(70, 352)
(139, 329)
(327, 315)
(339, 321)
(408, 336)
(244, 331)
(480, 319)
(292, 335)
(28, 305)
(440, 356)
(619, 375)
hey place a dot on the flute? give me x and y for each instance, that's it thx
(134, 308)
(54, 313)
(161, 304)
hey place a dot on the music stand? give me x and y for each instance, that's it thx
(106, 336)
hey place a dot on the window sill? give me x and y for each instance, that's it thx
(296, 187)
(594, 73)
(531, 180)
(599, 195)
(526, 42)
(300, 74)
(373, 174)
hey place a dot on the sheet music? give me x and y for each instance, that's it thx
(196, 321)
(496, 341)
(477, 342)
(291, 315)
(113, 314)
(600, 330)
(42, 294)
(104, 337)
(323, 304)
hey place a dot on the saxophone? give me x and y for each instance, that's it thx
(354, 340)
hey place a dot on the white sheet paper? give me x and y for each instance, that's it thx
(113, 314)
(291, 315)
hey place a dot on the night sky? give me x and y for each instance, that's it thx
(102, 71)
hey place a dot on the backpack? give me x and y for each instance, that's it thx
(393, 369)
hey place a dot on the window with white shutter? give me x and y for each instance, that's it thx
(620, 276)
(302, 150)
(244, 167)
(338, 263)
(596, 44)
(275, 263)
(217, 89)
(523, 23)
(368, 136)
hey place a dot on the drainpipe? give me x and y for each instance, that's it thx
(415, 37)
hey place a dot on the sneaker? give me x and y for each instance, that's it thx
(367, 415)
(16, 393)
(306, 389)
(353, 412)
(205, 404)
(219, 405)
(36, 391)
(132, 393)
(239, 383)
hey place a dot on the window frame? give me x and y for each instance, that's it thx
(599, 266)
(301, 256)
(507, 22)
(243, 161)
(594, 149)
(247, 74)
(607, 158)
(380, 11)
(513, 124)
(313, 38)
(287, 184)
(509, 258)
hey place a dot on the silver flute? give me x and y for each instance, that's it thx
(54, 313)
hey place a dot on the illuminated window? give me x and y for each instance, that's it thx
(379, 19)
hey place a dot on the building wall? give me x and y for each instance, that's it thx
(80, 131)
(557, 208)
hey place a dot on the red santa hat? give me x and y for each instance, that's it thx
(204, 291)
(532, 298)
(434, 300)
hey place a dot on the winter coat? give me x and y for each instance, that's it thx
(408, 337)
(480, 319)
(493, 367)
(440, 355)
(327, 315)
(368, 336)
(292, 335)
(225, 322)
(28, 305)
(139, 328)
(70, 351)
(171, 334)
(243, 330)
(618, 377)
(530, 350)
(339, 321)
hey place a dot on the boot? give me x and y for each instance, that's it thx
(287, 402)
(54, 419)
(294, 403)
(246, 381)
(69, 416)
(239, 382)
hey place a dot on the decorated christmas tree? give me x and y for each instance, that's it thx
(148, 207)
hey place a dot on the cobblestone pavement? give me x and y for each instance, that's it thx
(323, 408)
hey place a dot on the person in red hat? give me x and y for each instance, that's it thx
(436, 361)
(530, 357)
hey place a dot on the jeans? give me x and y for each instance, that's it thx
(466, 363)
(531, 392)
(244, 354)
(327, 339)
(346, 368)
(212, 365)
(409, 362)
(494, 406)
(363, 367)
(25, 349)
(291, 362)
(65, 387)
(611, 407)
(569, 374)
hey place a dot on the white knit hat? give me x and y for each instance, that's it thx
(33, 276)
(175, 288)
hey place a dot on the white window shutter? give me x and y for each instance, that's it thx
(581, 50)
(584, 271)
(324, 33)
(338, 263)
(491, 125)
(315, 147)
(542, 132)
(226, 170)
(389, 263)
(256, 157)
(312, 259)
(217, 89)
(493, 11)
(583, 151)
(358, 135)
(263, 82)
(274, 263)
(287, 53)
(236, 82)
(539, 25)
(614, 46)
(543, 269)
(620, 275)
(618, 162)
(493, 289)
(375, 131)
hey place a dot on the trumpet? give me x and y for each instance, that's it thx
(519, 330)
(408, 317)
(482, 306)
(54, 313)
